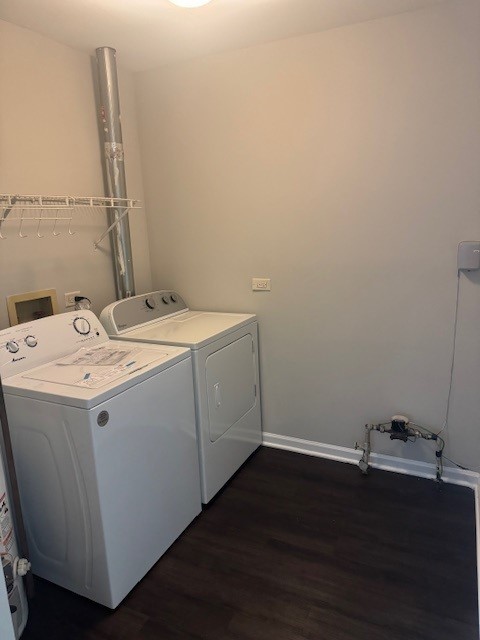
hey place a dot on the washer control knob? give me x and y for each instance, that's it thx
(12, 346)
(173, 298)
(81, 326)
(165, 300)
(150, 302)
(31, 341)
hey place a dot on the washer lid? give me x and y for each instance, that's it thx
(192, 329)
(73, 381)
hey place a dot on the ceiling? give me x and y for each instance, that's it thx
(150, 33)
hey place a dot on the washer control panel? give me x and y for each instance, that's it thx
(129, 313)
(29, 345)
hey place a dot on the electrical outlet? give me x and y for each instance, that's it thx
(70, 298)
(260, 284)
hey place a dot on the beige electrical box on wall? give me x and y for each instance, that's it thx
(33, 305)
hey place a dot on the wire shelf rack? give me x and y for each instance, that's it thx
(16, 210)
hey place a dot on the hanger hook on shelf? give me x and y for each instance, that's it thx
(20, 230)
(39, 223)
(70, 232)
(56, 233)
(2, 220)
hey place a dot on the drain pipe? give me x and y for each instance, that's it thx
(110, 122)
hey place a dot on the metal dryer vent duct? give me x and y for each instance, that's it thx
(110, 123)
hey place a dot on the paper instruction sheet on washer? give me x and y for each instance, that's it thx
(87, 368)
(98, 356)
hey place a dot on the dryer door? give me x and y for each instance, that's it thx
(231, 385)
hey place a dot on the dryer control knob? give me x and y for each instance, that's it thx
(150, 302)
(81, 326)
(31, 341)
(12, 346)
(173, 298)
(166, 300)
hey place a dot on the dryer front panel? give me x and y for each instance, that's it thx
(231, 385)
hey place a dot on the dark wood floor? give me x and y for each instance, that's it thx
(299, 548)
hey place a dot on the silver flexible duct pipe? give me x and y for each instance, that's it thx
(110, 122)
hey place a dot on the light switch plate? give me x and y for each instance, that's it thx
(260, 284)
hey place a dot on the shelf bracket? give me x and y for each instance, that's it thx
(110, 228)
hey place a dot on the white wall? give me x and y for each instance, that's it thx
(50, 145)
(345, 166)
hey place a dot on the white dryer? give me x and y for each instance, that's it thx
(225, 372)
(104, 441)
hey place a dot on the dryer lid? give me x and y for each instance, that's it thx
(163, 316)
(193, 329)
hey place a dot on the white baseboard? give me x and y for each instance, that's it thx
(452, 475)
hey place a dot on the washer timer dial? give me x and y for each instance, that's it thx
(81, 326)
(150, 302)
(12, 346)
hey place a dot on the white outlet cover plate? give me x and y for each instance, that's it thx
(261, 284)
(70, 298)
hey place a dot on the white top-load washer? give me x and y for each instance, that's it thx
(225, 372)
(104, 441)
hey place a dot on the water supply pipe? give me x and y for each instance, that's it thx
(111, 126)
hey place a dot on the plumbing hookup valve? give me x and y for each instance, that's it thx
(399, 429)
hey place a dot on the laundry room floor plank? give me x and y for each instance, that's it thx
(298, 548)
